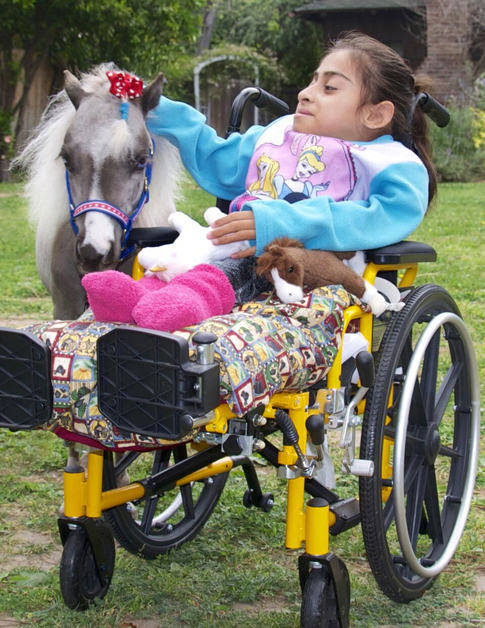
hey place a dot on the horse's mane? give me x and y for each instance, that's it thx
(46, 188)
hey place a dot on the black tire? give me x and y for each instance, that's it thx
(78, 575)
(319, 604)
(135, 531)
(437, 444)
(248, 498)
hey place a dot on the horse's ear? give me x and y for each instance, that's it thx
(151, 94)
(73, 88)
(268, 260)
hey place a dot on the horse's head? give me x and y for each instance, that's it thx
(281, 263)
(107, 151)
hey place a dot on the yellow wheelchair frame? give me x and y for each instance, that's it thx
(323, 576)
(412, 520)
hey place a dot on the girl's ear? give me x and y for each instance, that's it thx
(379, 116)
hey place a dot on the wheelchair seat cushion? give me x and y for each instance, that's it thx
(263, 347)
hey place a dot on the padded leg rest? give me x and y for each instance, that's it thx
(25, 380)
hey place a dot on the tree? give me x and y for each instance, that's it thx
(270, 26)
(77, 34)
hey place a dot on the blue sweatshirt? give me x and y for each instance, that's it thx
(385, 199)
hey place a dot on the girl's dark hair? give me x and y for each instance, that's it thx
(386, 76)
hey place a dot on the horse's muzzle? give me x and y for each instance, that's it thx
(89, 260)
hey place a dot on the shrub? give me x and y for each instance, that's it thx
(459, 149)
(458, 153)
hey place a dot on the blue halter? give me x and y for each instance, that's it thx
(112, 211)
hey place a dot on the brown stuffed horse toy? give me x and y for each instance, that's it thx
(289, 266)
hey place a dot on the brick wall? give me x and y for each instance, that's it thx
(447, 60)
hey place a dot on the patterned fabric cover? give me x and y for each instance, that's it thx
(263, 348)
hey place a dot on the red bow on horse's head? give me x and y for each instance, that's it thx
(125, 85)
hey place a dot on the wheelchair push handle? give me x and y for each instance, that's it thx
(268, 101)
(261, 99)
(433, 109)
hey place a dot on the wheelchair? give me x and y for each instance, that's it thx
(411, 395)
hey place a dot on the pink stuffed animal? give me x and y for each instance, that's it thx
(194, 292)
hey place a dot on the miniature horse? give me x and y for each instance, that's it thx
(92, 149)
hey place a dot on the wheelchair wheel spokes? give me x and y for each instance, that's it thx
(153, 526)
(411, 516)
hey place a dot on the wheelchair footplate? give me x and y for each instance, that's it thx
(25, 380)
(147, 385)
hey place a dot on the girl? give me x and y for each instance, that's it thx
(374, 191)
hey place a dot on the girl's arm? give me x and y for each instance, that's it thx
(396, 205)
(218, 165)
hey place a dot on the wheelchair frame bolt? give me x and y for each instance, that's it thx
(258, 444)
(169, 527)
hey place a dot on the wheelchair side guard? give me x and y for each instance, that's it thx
(336, 570)
(147, 385)
(25, 380)
(92, 528)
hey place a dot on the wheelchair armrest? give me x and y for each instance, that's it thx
(152, 236)
(405, 252)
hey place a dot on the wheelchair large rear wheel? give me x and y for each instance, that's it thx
(163, 522)
(437, 460)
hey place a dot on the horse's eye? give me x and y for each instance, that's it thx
(290, 269)
(141, 163)
(67, 163)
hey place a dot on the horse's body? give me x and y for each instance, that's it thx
(105, 153)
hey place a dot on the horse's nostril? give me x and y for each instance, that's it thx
(109, 257)
(88, 253)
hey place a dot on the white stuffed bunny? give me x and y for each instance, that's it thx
(190, 249)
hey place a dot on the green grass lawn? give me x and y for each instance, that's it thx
(236, 572)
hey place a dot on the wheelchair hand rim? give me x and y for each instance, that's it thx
(400, 444)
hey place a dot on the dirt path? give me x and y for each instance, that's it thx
(18, 321)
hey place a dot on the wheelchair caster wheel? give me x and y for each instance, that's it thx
(266, 502)
(319, 602)
(248, 499)
(80, 581)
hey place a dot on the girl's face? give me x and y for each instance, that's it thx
(329, 106)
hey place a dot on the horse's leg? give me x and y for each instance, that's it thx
(67, 293)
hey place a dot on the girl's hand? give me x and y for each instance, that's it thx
(235, 227)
